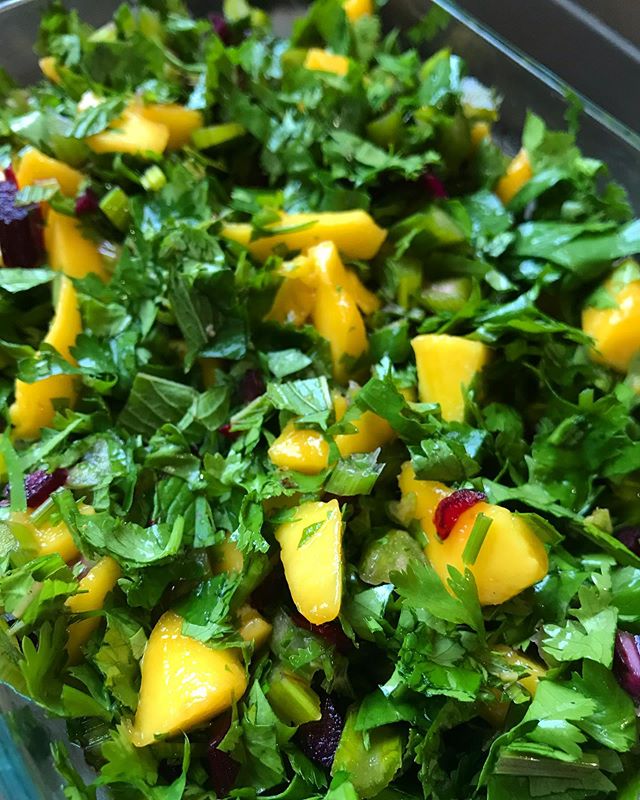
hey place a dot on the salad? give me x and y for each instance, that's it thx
(321, 443)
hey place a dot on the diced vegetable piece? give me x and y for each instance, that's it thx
(300, 449)
(372, 431)
(354, 9)
(515, 658)
(511, 558)
(115, 206)
(311, 553)
(371, 763)
(20, 230)
(292, 698)
(354, 233)
(92, 590)
(479, 132)
(337, 319)
(180, 121)
(420, 498)
(48, 67)
(184, 682)
(226, 557)
(296, 294)
(43, 539)
(616, 331)
(518, 173)
(216, 135)
(35, 166)
(384, 130)
(447, 366)
(69, 251)
(153, 179)
(323, 61)
(131, 133)
(626, 664)
(447, 295)
(451, 508)
(253, 626)
(39, 485)
(392, 553)
(319, 740)
(33, 407)
(330, 270)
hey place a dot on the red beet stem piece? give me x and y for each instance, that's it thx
(450, 508)
(10, 175)
(225, 430)
(222, 769)
(221, 27)
(87, 202)
(331, 632)
(319, 740)
(251, 386)
(434, 186)
(20, 230)
(630, 537)
(626, 662)
(39, 485)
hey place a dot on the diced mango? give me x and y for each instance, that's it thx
(517, 659)
(33, 407)
(92, 590)
(518, 173)
(35, 166)
(180, 121)
(330, 270)
(421, 498)
(300, 449)
(511, 558)
(44, 539)
(337, 319)
(184, 682)
(253, 626)
(296, 294)
(48, 67)
(616, 331)
(372, 431)
(354, 233)
(131, 133)
(479, 132)
(69, 251)
(323, 61)
(227, 557)
(311, 553)
(354, 9)
(446, 366)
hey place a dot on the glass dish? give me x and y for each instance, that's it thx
(26, 770)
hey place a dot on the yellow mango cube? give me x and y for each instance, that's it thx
(184, 682)
(33, 407)
(518, 173)
(420, 498)
(92, 590)
(372, 431)
(354, 233)
(511, 558)
(615, 331)
(300, 449)
(323, 61)
(180, 121)
(69, 251)
(479, 132)
(44, 539)
(354, 9)
(296, 294)
(535, 670)
(329, 269)
(311, 553)
(131, 133)
(446, 366)
(35, 166)
(48, 67)
(227, 557)
(253, 626)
